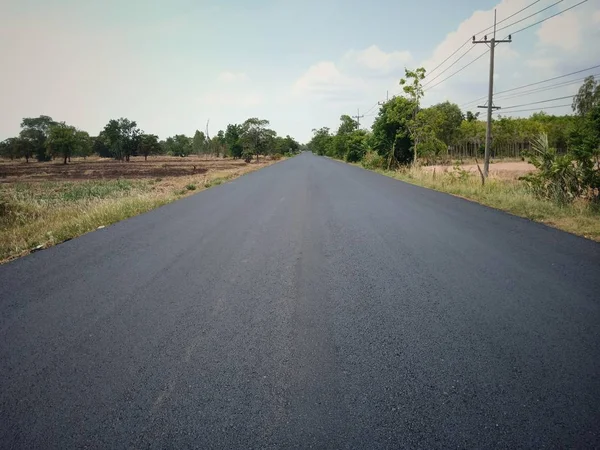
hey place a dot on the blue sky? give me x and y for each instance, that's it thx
(173, 65)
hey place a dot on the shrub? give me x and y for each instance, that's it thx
(191, 187)
(247, 156)
(561, 178)
(372, 160)
(276, 156)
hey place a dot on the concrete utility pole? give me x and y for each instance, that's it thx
(387, 98)
(358, 117)
(490, 103)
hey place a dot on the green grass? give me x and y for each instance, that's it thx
(513, 196)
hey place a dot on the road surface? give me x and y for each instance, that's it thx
(310, 304)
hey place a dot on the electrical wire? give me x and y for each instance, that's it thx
(545, 88)
(439, 74)
(530, 15)
(479, 32)
(534, 109)
(515, 32)
(549, 17)
(459, 70)
(532, 84)
(537, 103)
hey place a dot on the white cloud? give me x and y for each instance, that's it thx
(324, 79)
(562, 31)
(231, 77)
(376, 60)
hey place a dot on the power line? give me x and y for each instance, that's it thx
(459, 70)
(479, 32)
(371, 108)
(545, 88)
(549, 17)
(439, 74)
(533, 84)
(530, 15)
(537, 103)
(535, 109)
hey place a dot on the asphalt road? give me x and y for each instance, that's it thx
(310, 304)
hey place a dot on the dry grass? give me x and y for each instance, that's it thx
(38, 211)
(509, 195)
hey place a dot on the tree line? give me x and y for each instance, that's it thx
(404, 133)
(44, 139)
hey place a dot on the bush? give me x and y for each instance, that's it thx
(372, 160)
(276, 156)
(191, 187)
(561, 178)
(247, 156)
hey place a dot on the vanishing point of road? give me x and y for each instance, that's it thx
(309, 304)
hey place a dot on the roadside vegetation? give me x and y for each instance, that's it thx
(57, 182)
(558, 178)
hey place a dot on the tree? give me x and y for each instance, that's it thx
(233, 142)
(122, 137)
(356, 145)
(35, 131)
(199, 142)
(149, 145)
(65, 140)
(179, 145)
(472, 117)
(449, 120)
(100, 147)
(425, 129)
(587, 97)
(16, 147)
(391, 138)
(321, 141)
(413, 87)
(255, 135)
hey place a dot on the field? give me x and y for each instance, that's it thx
(42, 204)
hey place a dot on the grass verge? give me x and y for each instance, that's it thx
(35, 215)
(512, 196)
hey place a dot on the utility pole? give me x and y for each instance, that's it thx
(490, 103)
(358, 117)
(387, 98)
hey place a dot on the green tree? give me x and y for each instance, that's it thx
(356, 145)
(199, 142)
(390, 138)
(179, 145)
(413, 87)
(66, 140)
(321, 141)
(233, 142)
(149, 145)
(255, 136)
(425, 130)
(17, 147)
(587, 97)
(35, 131)
(450, 118)
(122, 137)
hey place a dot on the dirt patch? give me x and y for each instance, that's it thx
(104, 168)
(505, 170)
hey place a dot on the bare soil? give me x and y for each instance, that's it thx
(505, 170)
(104, 168)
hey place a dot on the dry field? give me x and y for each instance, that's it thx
(498, 169)
(42, 204)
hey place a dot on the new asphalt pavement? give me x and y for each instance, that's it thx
(311, 304)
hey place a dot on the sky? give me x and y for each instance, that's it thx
(174, 65)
